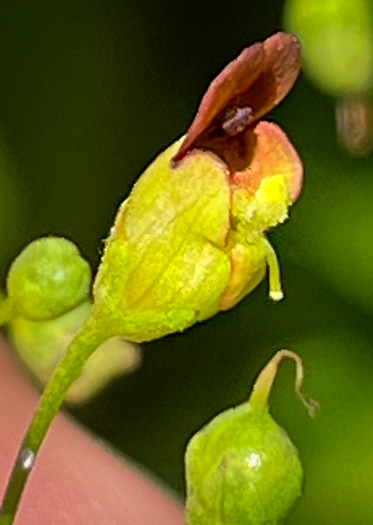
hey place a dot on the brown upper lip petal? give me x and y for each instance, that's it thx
(247, 88)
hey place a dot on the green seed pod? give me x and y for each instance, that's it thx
(337, 40)
(242, 468)
(47, 279)
(41, 344)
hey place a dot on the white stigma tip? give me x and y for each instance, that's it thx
(276, 295)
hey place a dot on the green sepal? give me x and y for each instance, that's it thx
(164, 266)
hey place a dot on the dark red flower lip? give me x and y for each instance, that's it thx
(247, 88)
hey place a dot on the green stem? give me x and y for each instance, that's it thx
(263, 384)
(69, 368)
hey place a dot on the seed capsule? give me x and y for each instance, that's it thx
(242, 468)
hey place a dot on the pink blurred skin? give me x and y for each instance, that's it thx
(76, 481)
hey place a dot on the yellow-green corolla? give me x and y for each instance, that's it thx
(190, 239)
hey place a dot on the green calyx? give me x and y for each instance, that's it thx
(165, 265)
(48, 279)
(242, 468)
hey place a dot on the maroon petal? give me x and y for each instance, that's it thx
(244, 91)
(234, 80)
(283, 52)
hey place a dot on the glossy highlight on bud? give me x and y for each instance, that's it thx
(242, 468)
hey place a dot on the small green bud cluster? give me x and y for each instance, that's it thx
(48, 302)
(242, 468)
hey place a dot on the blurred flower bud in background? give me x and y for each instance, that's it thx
(337, 39)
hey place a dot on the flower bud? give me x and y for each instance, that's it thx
(242, 468)
(337, 40)
(47, 279)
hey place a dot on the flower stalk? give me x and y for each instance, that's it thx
(81, 348)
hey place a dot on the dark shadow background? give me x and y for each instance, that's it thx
(90, 92)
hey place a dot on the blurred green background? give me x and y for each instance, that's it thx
(90, 92)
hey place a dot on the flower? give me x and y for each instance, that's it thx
(190, 239)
